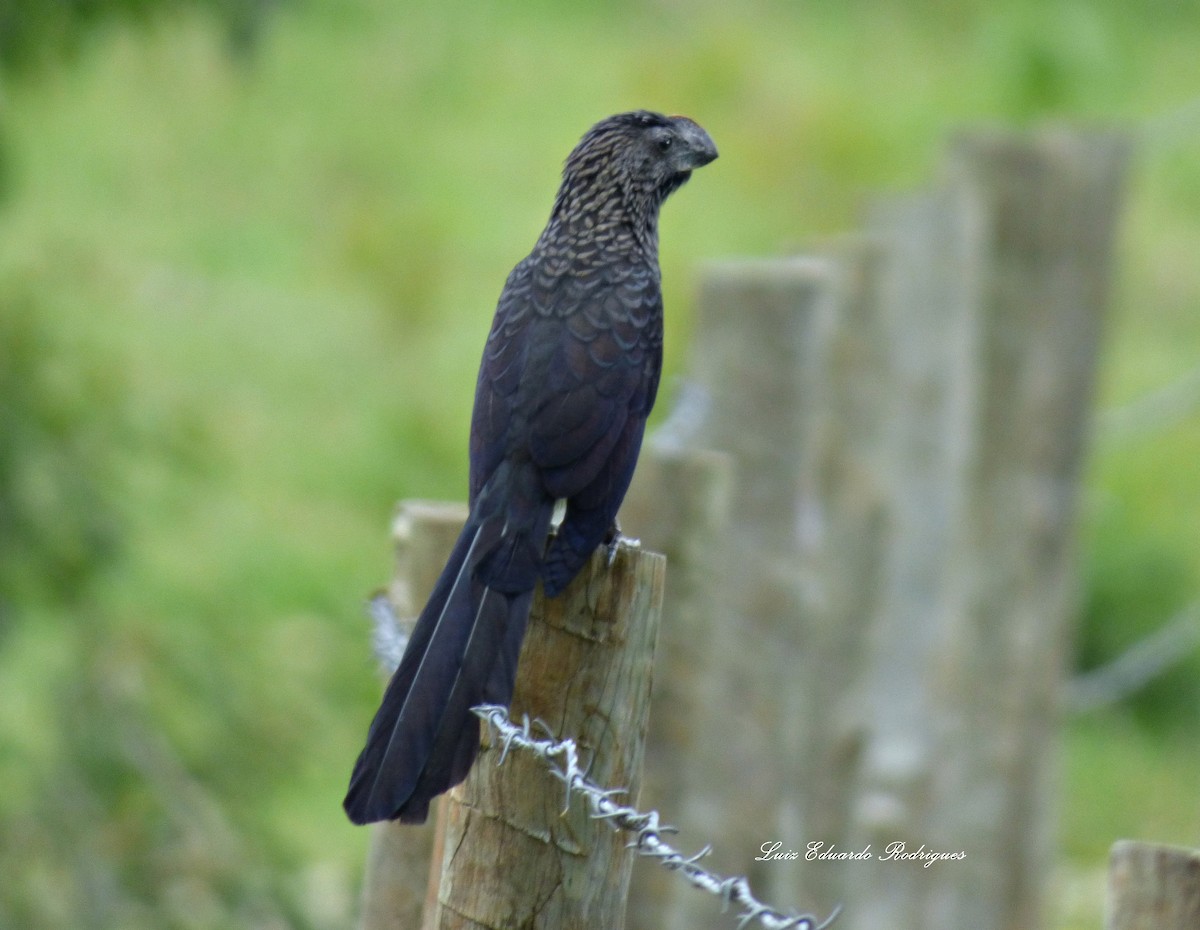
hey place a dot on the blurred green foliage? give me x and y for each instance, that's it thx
(37, 33)
(61, 421)
(240, 314)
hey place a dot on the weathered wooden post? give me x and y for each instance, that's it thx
(925, 292)
(824, 723)
(513, 857)
(1153, 887)
(678, 505)
(789, 377)
(999, 284)
(1047, 206)
(398, 873)
(757, 392)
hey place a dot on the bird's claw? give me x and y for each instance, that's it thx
(617, 542)
(615, 539)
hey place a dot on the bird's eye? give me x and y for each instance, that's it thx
(664, 143)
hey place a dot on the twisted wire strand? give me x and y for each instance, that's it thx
(562, 759)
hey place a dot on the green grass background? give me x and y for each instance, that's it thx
(257, 291)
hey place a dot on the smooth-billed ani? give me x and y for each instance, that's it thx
(568, 377)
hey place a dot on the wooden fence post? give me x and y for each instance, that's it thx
(513, 857)
(755, 373)
(842, 562)
(395, 886)
(994, 290)
(678, 505)
(1047, 207)
(1153, 887)
(925, 292)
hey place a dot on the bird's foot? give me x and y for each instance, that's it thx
(614, 539)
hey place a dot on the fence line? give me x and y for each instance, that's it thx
(1138, 665)
(419, 531)
(1157, 411)
(646, 827)
(905, 420)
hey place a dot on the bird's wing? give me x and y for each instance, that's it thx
(501, 374)
(601, 374)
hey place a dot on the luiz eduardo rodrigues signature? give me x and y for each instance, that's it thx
(818, 851)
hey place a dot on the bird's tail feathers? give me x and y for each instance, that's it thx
(463, 651)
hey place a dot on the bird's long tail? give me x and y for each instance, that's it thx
(463, 651)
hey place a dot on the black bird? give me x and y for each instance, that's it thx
(568, 377)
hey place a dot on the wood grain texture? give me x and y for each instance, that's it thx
(513, 857)
(1153, 887)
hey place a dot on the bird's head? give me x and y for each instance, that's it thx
(641, 152)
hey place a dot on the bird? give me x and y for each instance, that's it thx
(568, 377)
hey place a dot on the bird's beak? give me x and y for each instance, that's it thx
(698, 148)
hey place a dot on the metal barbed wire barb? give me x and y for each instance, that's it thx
(508, 740)
(562, 758)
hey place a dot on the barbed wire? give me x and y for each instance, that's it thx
(1173, 126)
(1152, 413)
(562, 759)
(390, 638)
(1139, 665)
(389, 642)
